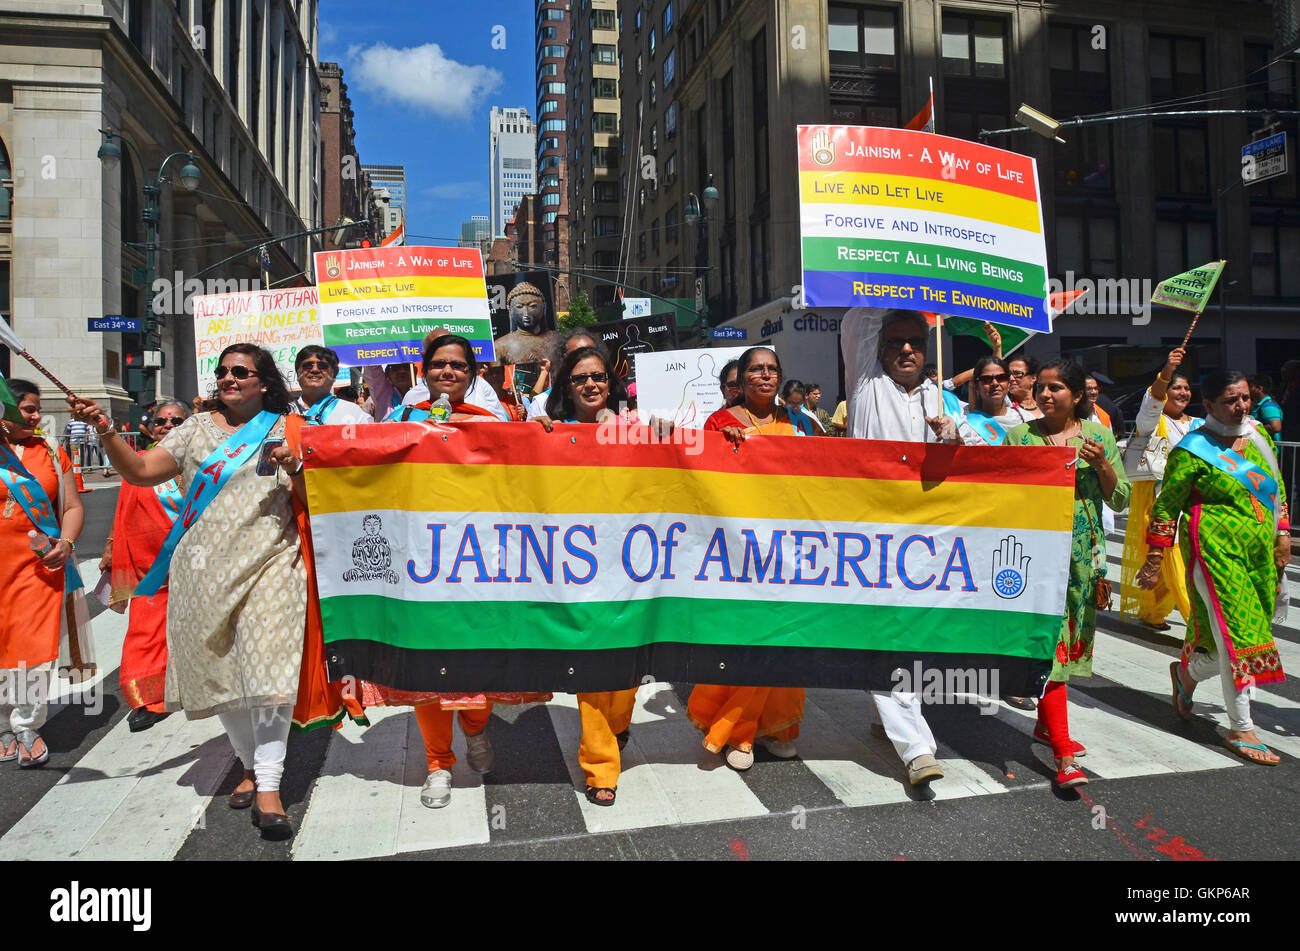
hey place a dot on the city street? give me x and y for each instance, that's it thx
(1161, 790)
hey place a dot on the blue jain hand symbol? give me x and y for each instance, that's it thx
(1010, 568)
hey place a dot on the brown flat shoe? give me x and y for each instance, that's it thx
(241, 800)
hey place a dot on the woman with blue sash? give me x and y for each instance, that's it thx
(238, 600)
(141, 523)
(39, 497)
(990, 415)
(1223, 499)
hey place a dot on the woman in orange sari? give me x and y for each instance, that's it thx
(732, 717)
(449, 368)
(32, 573)
(143, 518)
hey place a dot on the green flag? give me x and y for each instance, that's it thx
(1191, 289)
(1012, 337)
(11, 413)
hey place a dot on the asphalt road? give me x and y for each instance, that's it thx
(1161, 790)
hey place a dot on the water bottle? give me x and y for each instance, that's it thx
(40, 543)
(440, 411)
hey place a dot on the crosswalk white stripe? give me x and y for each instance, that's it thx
(366, 802)
(1146, 669)
(132, 795)
(667, 777)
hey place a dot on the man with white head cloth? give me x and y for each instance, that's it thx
(889, 397)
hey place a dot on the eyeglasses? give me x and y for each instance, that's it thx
(460, 366)
(313, 365)
(765, 369)
(1018, 374)
(166, 421)
(580, 379)
(916, 343)
(994, 378)
(239, 372)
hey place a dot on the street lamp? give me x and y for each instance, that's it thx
(1039, 122)
(697, 215)
(110, 154)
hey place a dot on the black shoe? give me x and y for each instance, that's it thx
(143, 718)
(1021, 703)
(275, 826)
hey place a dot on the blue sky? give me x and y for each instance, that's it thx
(423, 76)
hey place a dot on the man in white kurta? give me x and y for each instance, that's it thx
(889, 397)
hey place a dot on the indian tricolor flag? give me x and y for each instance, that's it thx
(474, 557)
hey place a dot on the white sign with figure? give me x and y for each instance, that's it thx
(682, 385)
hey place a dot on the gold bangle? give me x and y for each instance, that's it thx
(71, 543)
(1164, 380)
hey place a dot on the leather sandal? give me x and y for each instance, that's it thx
(26, 741)
(595, 801)
(7, 739)
(275, 826)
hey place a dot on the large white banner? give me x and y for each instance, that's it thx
(281, 321)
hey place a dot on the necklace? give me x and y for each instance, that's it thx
(1065, 434)
(752, 420)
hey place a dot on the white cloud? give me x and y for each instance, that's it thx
(422, 76)
(453, 191)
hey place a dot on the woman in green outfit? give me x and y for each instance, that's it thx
(1099, 478)
(1235, 538)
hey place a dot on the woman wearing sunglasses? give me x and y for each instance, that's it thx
(989, 415)
(238, 597)
(732, 717)
(583, 391)
(449, 369)
(141, 522)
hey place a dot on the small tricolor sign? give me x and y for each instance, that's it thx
(377, 304)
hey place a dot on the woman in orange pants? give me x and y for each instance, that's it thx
(583, 389)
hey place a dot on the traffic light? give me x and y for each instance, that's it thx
(137, 379)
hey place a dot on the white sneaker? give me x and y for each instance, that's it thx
(739, 759)
(437, 789)
(479, 752)
(781, 749)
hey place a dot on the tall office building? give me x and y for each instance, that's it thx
(513, 162)
(553, 30)
(596, 196)
(391, 178)
(475, 231)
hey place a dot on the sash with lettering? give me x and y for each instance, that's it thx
(170, 498)
(315, 414)
(211, 478)
(986, 427)
(1261, 485)
(27, 492)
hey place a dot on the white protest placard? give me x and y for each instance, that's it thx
(281, 321)
(682, 385)
(634, 307)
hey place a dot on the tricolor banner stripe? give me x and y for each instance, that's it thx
(446, 564)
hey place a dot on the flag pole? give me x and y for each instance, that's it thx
(10, 339)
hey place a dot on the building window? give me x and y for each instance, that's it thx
(670, 121)
(862, 37)
(654, 138)
(604, 122)
(976, 88)
(758, 257)
(605, 225)
(604, 88)
(1274, 249)
(652, 42)
(604, 157)
(1088, 246)
(652, 93)
(668, 18)
(1182, 159)
(550, 105)
(551, 199)
(548, 32)
(670, 169)
(1080, 81)
(603, 53)
(758, 63)
(552, 52)
(603, 20)
(1177, 67)
(604, 191)
(1181, 245)
(552, 89)
(550, 69)
(670, 67)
